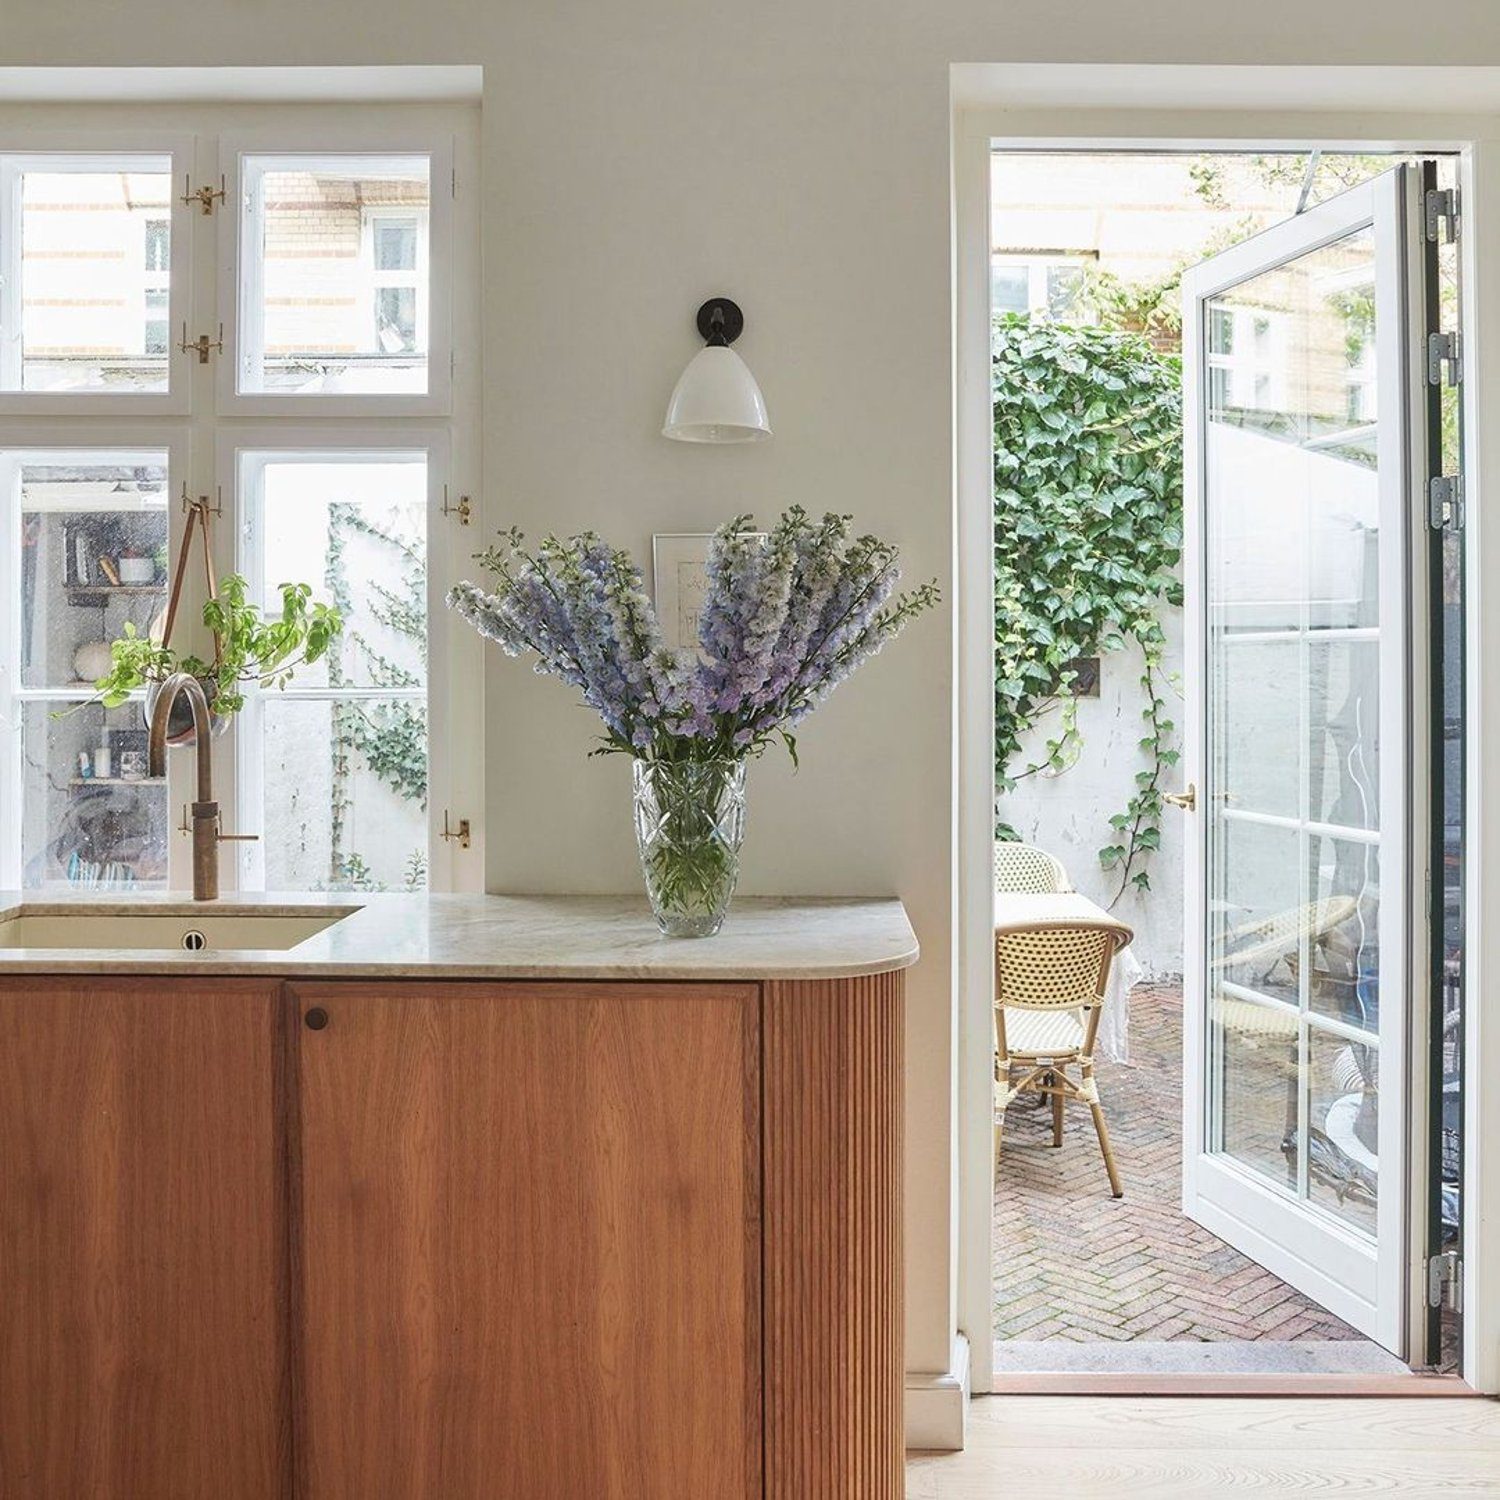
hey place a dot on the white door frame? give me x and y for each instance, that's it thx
(1278, 108)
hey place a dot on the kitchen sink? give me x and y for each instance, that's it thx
(213, 930)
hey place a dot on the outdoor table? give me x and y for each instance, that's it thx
(1013, 908)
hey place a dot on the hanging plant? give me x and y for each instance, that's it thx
(248, 646)
(1088, 536)
(252, 647)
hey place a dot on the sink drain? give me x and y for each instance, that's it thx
(194, 941)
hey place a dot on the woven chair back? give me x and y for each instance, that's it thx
(1062, 966)
(1024, 867)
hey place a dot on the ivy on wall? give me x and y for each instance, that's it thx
(390, 737)
(1088, 535)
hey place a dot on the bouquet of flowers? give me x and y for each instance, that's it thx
(787, 617)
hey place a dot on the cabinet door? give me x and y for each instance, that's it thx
(529, 1242)
(142, 1241)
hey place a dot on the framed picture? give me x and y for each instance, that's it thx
(678, 562)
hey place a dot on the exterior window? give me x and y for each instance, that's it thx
(86, 554)
(396, 244)
(1042, 285)
(318, 425)
(87, 245)
(335, 767)
(334, 289)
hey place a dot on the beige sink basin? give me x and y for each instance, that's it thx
(208, 931)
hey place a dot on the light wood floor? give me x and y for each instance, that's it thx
(1178, 1448)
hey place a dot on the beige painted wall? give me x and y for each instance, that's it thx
(793, 154)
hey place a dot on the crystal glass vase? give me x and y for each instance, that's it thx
(689, 821)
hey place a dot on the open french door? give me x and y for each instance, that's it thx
(1304, 970)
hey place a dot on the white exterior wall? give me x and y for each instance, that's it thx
(1068, 814)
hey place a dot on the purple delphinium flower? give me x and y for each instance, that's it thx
(787, 616)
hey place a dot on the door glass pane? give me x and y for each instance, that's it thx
(1261, 723)
(342, 759)
(1342, 1164)
(1257, 1066)
(94, 272)
(1293, 705)
(334, 300)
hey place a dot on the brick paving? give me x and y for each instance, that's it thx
(1070, 1262)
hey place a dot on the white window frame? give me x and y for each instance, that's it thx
(240, 269)
(451, 717)
(83, 152)
(103, 442)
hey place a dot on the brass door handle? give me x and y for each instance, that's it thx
(1187, 801)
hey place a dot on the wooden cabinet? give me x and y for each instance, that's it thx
(142, 1241)
(529, 1248)
(363, 1240)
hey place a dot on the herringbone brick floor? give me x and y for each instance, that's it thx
(1070, 1262)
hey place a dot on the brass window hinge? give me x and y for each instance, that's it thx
(461, 833)
(463, 510)
(189, 504)
(202, 345)
(204, 197)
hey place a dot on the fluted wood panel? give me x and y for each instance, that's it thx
(832, 1078)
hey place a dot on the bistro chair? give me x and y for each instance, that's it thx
(1050, 980)
(1024, 867)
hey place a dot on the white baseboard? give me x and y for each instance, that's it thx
(937, 1403)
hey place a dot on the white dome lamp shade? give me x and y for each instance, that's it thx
(716, 400)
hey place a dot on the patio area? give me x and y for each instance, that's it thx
(1074, 1267)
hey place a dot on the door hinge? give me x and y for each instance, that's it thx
(1441, 211)
(1445, 502)
(205, 196)
(1445, 1281)
(1444, 359)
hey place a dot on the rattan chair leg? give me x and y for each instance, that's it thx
(1059, 1102)
(1109, 1156)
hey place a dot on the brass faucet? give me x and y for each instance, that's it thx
(206, 834)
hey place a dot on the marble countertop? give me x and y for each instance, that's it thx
(493, 937)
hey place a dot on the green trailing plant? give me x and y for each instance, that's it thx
(1088, 536)
(253, 647)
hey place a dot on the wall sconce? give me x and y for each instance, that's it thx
(716, 400)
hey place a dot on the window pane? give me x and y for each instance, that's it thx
(345, 794)
(94, 240)
(343, 755)
(1064, 287)
(89, 818)
(396, 318)
(1010, 289)
(356, 532)
(322, 249)
(93, 557)
(395, 244)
